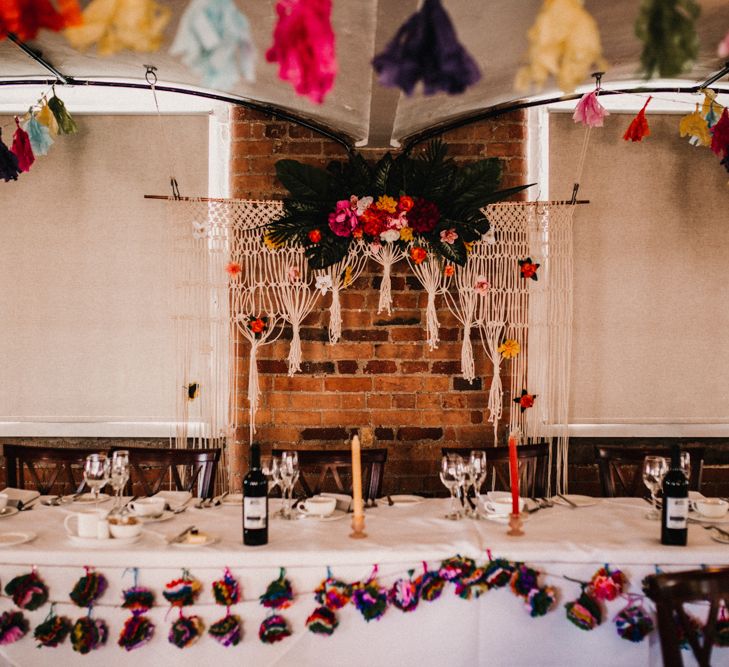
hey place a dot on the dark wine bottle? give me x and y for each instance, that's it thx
(255, 502)
(674, 521)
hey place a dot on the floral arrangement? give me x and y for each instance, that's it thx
(422, 204)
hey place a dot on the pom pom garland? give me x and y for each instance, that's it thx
(53, 631)
(589, 111)
(88, 635)
(721, 630)
(185, 631)
(227, 631)
(370, 600)
(540, 600)
(404, 595)
(333, 593)
(182, 592)
(523, 580)
(430, 586)
(456, 568)
(322, 621)
(584, 612)
(606, 584)
(89, 588)
(633, 624)
(138, 599)
(695, 629)
(13, 626)
(279, 594)
(638, 128)
(28, 591)
(472, 585)
(273, 629)
(226, 591)
(22, 148)
(9, 168)
(498, 573)
(137, 631)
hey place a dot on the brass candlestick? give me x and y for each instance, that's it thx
(515, 524)
(358, 524)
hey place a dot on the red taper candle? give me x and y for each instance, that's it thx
(513, 473)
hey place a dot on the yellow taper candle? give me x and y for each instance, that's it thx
(358, 517)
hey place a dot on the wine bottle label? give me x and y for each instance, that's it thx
(254, 513)
(677, 510)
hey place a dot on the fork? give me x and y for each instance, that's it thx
(182, 507)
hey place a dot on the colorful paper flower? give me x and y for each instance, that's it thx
(509, 349)
(387, 204)
(405, 203)
(528, 268)
(423, 216)
(589, 111)
(257, 325)
(390, 235)
(638, 128)
(526, 400)
(418, 254)
(449, 270)
(406, 234)
(233, 269)
(343, 220)
(314, 235)
(323, 284)
(482, 286)
(448, 236)
(294, 274)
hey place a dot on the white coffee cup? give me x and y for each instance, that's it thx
(125, 529)
(150, 507)
(87, 523)
(319, 505)
(712, 508)
(3, 501)
(499, 502)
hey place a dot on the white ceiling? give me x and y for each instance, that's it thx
(494, 31)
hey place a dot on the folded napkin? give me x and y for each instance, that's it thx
(174, 499)
(20, 497)
(344, 502)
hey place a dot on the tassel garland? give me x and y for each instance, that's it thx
(66, 124)
(720, 135)
(226, 591)
(273, 629)
(89, 588)
(370, 600)
(22, 148)
(584, 612)
(278, 594)
(404, 595)
(695, 127)
(182, 592)
(638, 128)
(322, 621)
(138, 600)
(9, 168)
(540, 601)
(589, 111)
(333, 594)
(39, 136)
(430, 585)
(45, 117)
(633, 624)
(606, 584)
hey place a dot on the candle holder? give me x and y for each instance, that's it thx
(515, 524)
(358, 524)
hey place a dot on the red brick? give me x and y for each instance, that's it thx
(378, 367)
(348, 384)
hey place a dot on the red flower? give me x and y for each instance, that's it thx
(257, 325)
(374, 221)
(405, 203)
(424, 216)
(449, 270)
(526, 400)
(528, 268)
(233, 269)
(315, 236)
(418, 254)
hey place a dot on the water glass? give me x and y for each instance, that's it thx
(654, 468)
(289, 471)
(452, 474)
(476, 476)
(119, 473)
(96, 473)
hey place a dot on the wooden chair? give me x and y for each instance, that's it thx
(193, 470)
(670, 592)
(320, 463)
(533, 467)
(50, 470)
(621, 468)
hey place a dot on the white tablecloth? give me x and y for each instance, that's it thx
(494, 630)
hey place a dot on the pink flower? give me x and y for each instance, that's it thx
(294, 274)
(343, 221)
(482, 285)
(448, 236)
(589, 111)
(363, 203)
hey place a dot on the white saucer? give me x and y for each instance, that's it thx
(210, 539)
(334, 516)
(695, 516)
(111, 543)
(9, 511)
(86, 498)
(718, 537)
(402, 500)
(13, 539)
(502, 518)
(233, 499)
(165, 516)
(580, 501)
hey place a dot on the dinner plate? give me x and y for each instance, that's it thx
(165, 516)
(9, 511)
(334, 516)
(86, 498)
(580, 501)
(233, 499)
(209, 539)
(705, 519)
(402, 500)
(719, 537)
(13, 539)
(111, 543)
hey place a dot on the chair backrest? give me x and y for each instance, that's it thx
(51, 470)
(533, 463)
(318, 464)
(185, 469)
(670, 592)
(621, 467)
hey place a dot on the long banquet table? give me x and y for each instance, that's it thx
(495, 629)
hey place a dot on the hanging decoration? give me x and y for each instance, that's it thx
(404, 594)
(430, 274)
(39, 136)
(430, 585)
(333, 593)
(528, 269)
(22, 148)
(13, 626)
(589, 111)
(182, 592)
(89, 588)
(720, 135)
(606, 584)
(509, 349)
(525, 401)
(214, 40)
(273, 629)
(28, 591)
(65, 123)
(638, 128)
(228, 630)
(710, 108)
(115, 25)
(564, 42)
(25, 18)
(426, 48)
(278, 595)
(46, 118)
(322, 621)
(88, 634)
(633, 623)
(53, 630)
(584, 612)
(138, 629)
(303, 46)
(185, 631)
(498, 573)
(670, 50)
(9, 168)
(695, 127)
(369, 598)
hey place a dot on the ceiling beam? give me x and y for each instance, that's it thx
(37, 56)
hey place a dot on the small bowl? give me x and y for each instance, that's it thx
(319, 505)
(712, 508)
(499, 502)
(129, 528)
(148, 507)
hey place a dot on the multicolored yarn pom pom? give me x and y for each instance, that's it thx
(273, 629)
(696, 629)
(370, 600)
(228, 630)
(89, 588)
(455, 568)
(606, 584)
(322, 621)
(138, 599)
(88, 634)
(13, 626)
(333, 593)
(721, 629)
(430, 585)
(584, 612)
(473, 585)
(182, 592)
(633, 624)
(404, 595)
(498, 573)
(524, 580)
(53, 631)
(185, 631)
(226, 591)
(28, 591)
(278, 595)
(137, 631)
(540, 600)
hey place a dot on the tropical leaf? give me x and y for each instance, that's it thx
(327, 252)
(354, 176)
(455, 252)
(500, 195)
(430, 174)
(304, 181)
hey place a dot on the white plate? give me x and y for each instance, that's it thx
(695, 516)
(111, 543)
(233, 499)
(718, 537)
(210, 539)
(13, 539)
(165, 516)
(402, 500)
(502, 518)
(580, 501)
(9, 511)
(86, 498)
(334, 516)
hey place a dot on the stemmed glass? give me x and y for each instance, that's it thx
(476, 476)
(654, 468)
(289, 471)
(96, 473)
(452, 473)
(271, 469)
(119, 474)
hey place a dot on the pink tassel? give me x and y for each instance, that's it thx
(21, 148)
(303, 46)
(724, 47)
(589, 111)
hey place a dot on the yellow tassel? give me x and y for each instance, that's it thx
(45, 117)
(694, 126)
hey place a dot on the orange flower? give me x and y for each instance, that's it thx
(385, 203)
(233, 269)
(405, 203)
(526, 400)
(257, 326)
(449, 270)
(418, 254)
(315, 236)
(528, 268)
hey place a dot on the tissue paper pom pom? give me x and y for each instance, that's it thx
(606, 584)
(13, 626)
(226, 591)
(89, 588)
(182, 592)
(53, 631)
(524, 580)
(430, 586)
(28, 591)
(138, 599)
(137, 631)
(472, 585)
(540, 600)
(322, 621)
(633, 624)
(273, 629)
(88, 634)
(370, 600)
(584, 612)
(333, 593)
(404, 595)
(185, 631)
(498, 573)
(227, 630)
(456, 567)
(278, 595)
(589, 111)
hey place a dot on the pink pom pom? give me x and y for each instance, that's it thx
(589, 111)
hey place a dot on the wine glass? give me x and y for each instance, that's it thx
(270, 468)
(119, 474)
(289, 470)
(654, 468)
(451, 474)
(686, 465)
(96, 473)
(477, 475)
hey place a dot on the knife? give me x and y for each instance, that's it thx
(181, 536)
(567, 500)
